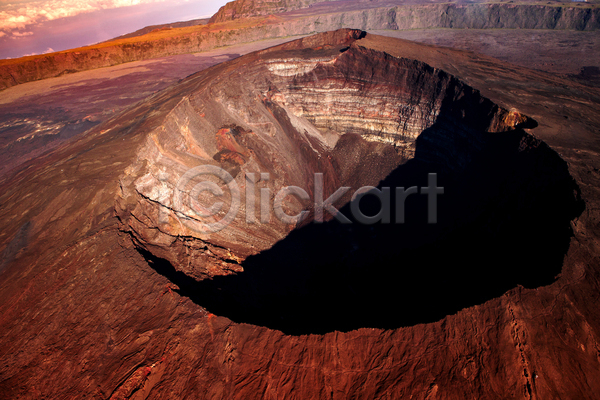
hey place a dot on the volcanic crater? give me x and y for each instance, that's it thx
(324, 105)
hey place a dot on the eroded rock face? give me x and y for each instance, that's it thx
(252, 8)
(414, 15)
(382, 98)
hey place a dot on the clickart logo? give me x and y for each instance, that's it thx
(212, 200)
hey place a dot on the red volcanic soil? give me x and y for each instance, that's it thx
(108, 291)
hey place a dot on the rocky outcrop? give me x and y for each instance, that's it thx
(252, 8)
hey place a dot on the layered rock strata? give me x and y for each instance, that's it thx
(253, 8)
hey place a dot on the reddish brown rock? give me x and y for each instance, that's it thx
(252, 8)
(97, 290)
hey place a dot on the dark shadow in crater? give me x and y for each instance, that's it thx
(503, 221)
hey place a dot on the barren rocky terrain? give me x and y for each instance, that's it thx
(280, 19)
(39, 116)
(107, 291)
(560, 52)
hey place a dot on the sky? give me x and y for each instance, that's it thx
(42, 26)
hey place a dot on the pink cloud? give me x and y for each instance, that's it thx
(21, 34)
(21, 14)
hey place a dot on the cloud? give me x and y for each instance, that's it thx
(21, 34)
(50, 50)
(18, 15)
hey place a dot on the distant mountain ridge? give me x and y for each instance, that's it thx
(154, 28)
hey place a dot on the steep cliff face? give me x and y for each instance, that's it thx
(408, 15)
(111, 288)
(475, 16)
(354, 93)
(252, 8)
